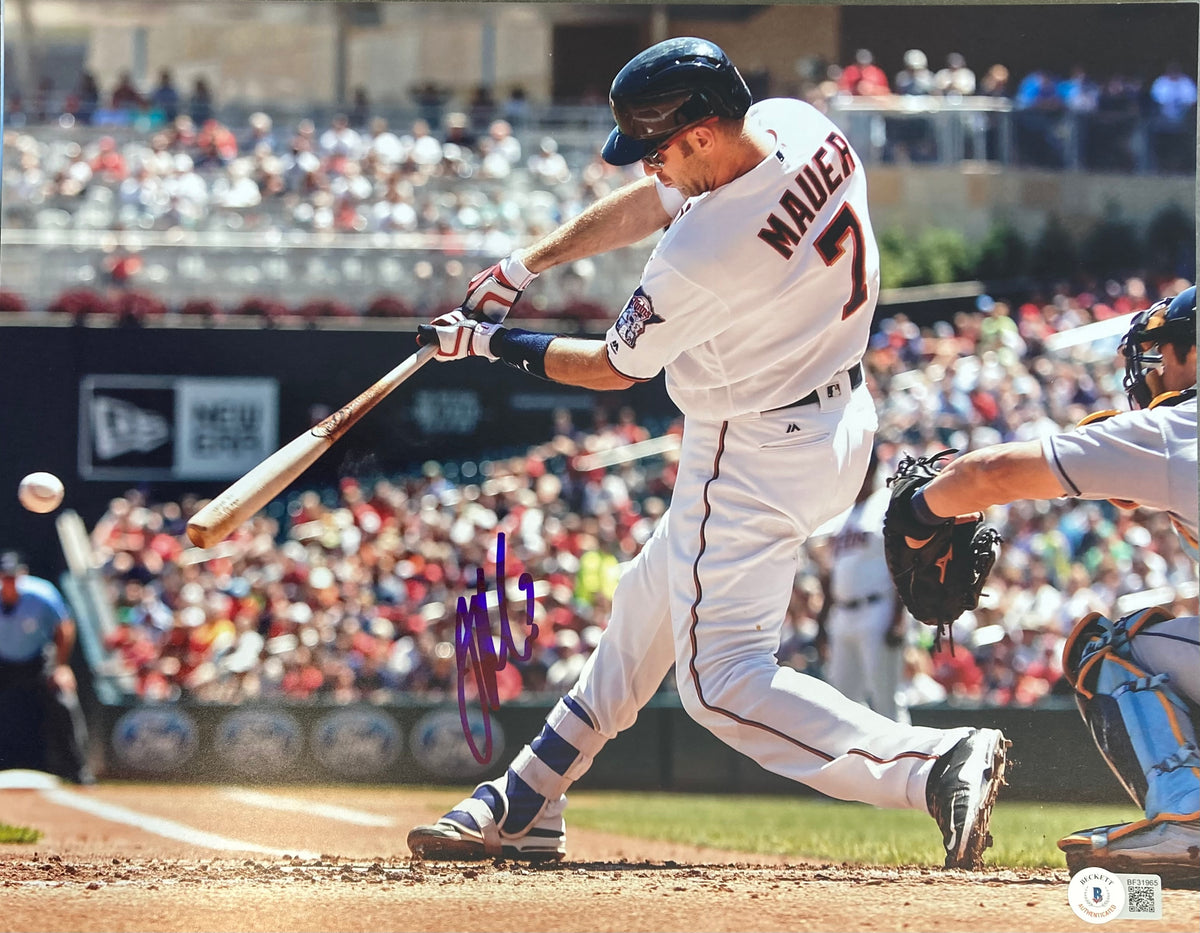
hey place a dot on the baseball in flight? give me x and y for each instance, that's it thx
(41, 492)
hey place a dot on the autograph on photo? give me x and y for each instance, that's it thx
(475, 650)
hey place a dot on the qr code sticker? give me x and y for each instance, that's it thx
(1143, 897)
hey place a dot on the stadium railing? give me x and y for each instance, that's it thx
(943, 130)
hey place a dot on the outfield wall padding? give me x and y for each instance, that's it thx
(1052, 756)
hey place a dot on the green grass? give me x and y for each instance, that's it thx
(18, 834)
(1025, 834)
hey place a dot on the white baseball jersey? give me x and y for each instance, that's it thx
(1147, 456)
(764, 289)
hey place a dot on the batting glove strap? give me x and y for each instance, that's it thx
(457, 340)
(481, 340)
(515, 272)
(492, 293)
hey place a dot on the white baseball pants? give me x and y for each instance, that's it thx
(709, 591)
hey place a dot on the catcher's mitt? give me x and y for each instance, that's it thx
(941, 574)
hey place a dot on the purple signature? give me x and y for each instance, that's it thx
(475, 651)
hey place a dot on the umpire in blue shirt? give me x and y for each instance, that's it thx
(41, 723)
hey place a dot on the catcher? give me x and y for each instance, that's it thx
(1136, 679)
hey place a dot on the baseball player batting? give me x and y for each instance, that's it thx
(1136, 679)
(757, 302)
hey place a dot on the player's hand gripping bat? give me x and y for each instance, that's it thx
(247, 495)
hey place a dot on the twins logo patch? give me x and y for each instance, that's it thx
(637, 316)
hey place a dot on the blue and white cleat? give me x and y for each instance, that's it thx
(473, 830)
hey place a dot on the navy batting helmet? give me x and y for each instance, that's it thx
(1172, 320)
(670, 86)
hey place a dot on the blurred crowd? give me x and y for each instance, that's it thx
(190, 175)
(1115, 122)
(162, 160)
(352, 595)
(1169, 94)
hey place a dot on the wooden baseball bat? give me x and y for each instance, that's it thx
(247, 495)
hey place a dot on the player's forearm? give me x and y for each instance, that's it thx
(622, 218)
(584, 363)
(992, 476)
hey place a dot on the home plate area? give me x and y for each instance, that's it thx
(187, 858)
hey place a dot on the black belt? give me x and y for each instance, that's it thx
(856, 378)
(865, 601)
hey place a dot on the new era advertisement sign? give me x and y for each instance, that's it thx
(175, 427)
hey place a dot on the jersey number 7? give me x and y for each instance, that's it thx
(831, 245)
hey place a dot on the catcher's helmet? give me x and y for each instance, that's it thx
(1171, 320)
(669, 86)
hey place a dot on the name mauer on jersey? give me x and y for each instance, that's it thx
(815, 183)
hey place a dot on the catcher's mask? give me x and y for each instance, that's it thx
(1171, 320)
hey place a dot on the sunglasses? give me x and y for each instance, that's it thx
(654, 157)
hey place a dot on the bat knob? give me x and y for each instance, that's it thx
(197, 534)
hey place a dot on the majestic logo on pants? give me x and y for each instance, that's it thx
(637, 316)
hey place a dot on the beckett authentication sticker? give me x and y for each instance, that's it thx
(1097, 895)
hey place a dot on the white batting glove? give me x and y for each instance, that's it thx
(458, 337)
(492, 293)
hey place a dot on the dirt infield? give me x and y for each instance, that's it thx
(117, 857)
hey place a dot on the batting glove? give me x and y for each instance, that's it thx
(458, 337)
(492, 293)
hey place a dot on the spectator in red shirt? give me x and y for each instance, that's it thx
(217, 144)
(864, 77)
(959, 673)
(108, 165)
